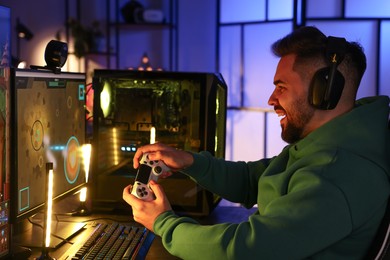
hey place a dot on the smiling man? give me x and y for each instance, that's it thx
(322, 197)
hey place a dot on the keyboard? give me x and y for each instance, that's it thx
(112, 241)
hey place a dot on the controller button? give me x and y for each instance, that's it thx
(142, 193)
(158, 169)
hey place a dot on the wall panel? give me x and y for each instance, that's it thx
(242, 11)
(280, 9)
(230, 62)
(259, 62)
(367, 9)
(245, 135)
(384, 80)
(329, 8)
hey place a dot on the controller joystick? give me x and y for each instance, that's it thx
(158, 167)
(148, 170)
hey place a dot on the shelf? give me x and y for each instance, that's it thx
(164, 53)
(142, 25)
(126, 42)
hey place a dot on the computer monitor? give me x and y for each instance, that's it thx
(5, 29)
(5, 36)
(185, 110)
(47, 126)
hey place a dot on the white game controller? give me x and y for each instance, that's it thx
(148, 170)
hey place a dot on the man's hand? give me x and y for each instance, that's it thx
(175, 159)
(146, 212)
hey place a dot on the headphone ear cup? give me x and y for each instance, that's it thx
(324, 94)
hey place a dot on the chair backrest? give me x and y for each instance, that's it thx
(380, 247)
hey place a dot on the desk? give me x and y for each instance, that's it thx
(222, 213)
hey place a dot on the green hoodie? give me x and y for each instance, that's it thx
(320, 198)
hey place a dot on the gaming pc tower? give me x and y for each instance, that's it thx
(131, 108)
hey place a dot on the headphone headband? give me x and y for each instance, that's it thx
(335, 49)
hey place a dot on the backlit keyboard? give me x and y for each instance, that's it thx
(112, 241)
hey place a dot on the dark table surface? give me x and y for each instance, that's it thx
(224, 212)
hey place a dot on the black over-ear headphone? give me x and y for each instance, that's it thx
(328, 83)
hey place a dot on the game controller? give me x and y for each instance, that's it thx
(148, 170)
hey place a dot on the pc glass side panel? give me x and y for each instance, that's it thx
(48, 127)
(186, 111)
(216, 115)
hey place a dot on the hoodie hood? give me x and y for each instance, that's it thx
(363, 131)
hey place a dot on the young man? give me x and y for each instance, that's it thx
(322, 197)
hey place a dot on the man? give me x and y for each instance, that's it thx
(322, 197)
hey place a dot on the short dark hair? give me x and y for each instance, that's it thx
(309, 43)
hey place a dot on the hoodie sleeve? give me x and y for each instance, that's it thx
(234, 181)
(289, 228)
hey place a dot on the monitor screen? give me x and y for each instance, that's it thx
(5, 29)
(5, 35)
(48, 126)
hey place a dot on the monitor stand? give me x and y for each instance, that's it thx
(19, 252)
(32, 234)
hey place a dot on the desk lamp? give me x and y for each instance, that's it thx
(48, 212)
(82, 210)
(152, 135)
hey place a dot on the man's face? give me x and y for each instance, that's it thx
(290, 101)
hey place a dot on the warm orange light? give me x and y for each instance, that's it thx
(86, 152)
(115, 145)
(152, 135)
(49, 207)
(83, 194)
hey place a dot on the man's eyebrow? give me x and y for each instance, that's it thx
(276, 82)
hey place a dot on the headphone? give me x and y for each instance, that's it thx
(327, 83)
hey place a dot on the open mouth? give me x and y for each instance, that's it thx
(281, 114)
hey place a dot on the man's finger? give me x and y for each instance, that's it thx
(127, 196)
(157, 189)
